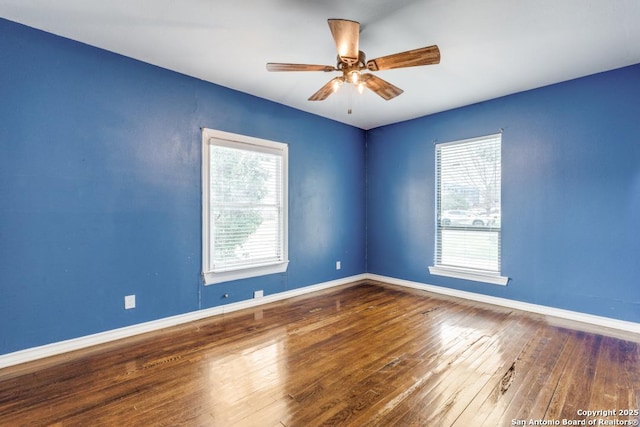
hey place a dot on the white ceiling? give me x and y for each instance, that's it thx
(489, 48)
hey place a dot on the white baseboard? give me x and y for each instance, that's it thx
(35, 353)
(590, 319)
(53, 349)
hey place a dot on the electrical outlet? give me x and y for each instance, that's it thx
(338, 265)
(258, 294)
(129, 302)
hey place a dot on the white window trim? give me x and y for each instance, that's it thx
(474, 275)
(209, 276)
(467, 273)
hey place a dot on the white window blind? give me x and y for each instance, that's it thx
(246, 214)
(468, 187)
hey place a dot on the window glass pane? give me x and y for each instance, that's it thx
(246, 214)
(468, 204)
(470, 249)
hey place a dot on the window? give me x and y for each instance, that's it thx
(244, 209)
(468, 226)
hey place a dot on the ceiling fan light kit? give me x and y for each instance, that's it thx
(351, 62)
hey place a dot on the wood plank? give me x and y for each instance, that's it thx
(534, 364)
(362, 354)
(446, 397)
(498, 391)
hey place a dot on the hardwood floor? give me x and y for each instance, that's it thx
(361, 355)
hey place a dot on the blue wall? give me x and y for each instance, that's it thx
(100, 191)
(100, 160)
(570, 194)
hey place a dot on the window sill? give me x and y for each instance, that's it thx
(211, 277)
(474, 275)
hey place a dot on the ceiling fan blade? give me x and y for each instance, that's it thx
(380, 86)
(411, 58)
(325, 90)
(346, 35)
(277, 66)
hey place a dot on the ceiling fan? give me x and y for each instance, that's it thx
(352, 62)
